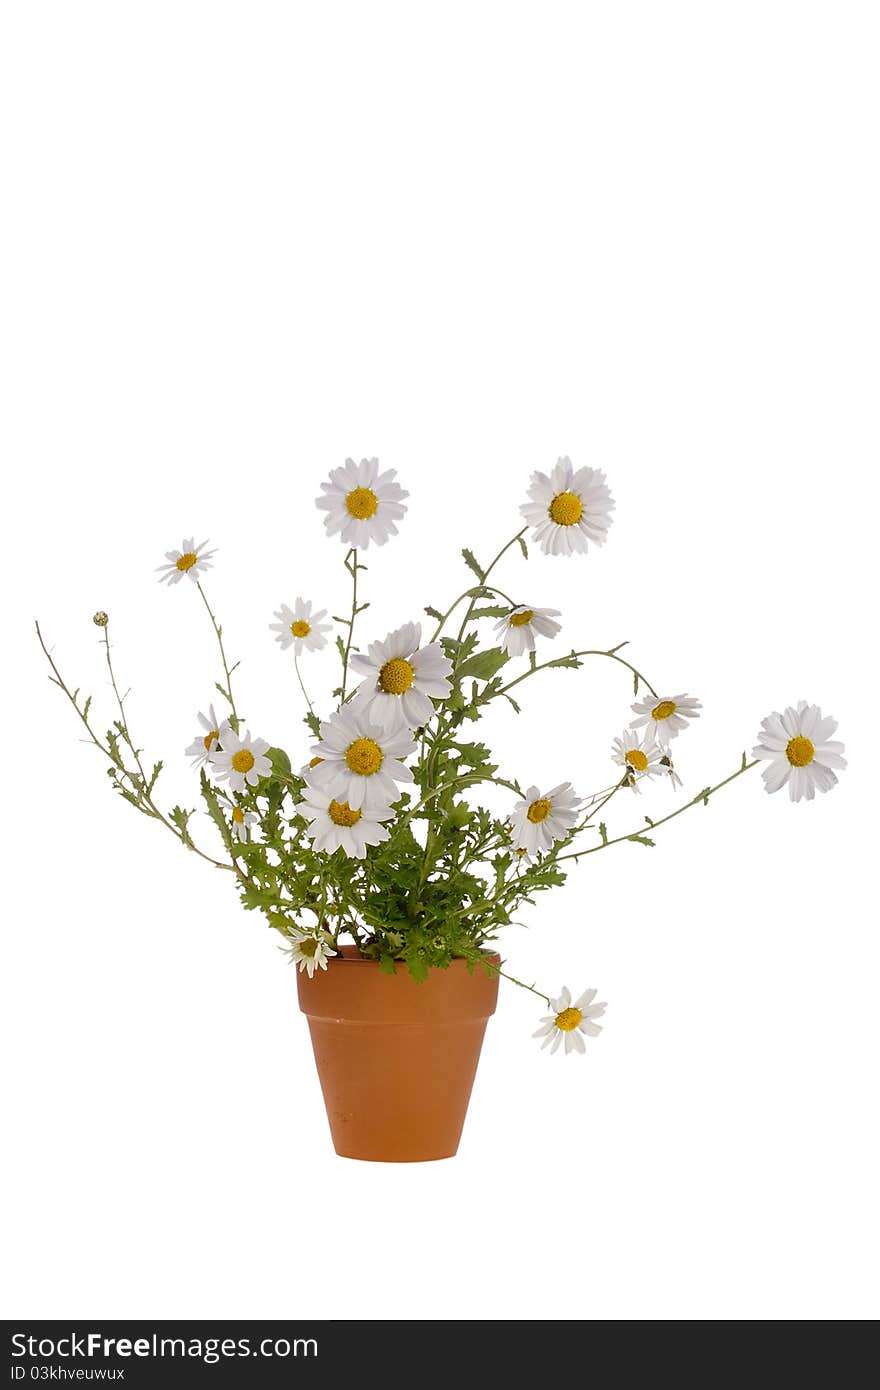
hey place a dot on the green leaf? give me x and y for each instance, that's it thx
(603, 831)
(387, 964)
(418, 968)
(433, 613)
(468, 557)
(641, 840)
(572, 661)
(279, 760)
(495, 611)
(483, 665)
(180, 818)
(636, 683)
(314, 723)
(523, 547)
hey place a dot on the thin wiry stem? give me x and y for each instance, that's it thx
(227, 669)
(138, 781)
(300, 679)
(643, 830)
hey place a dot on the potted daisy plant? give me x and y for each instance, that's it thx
(386, 879)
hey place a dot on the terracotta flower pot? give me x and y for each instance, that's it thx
(396, 1060)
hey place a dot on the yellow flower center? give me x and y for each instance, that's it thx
(364, 757)
(540, 810)
(568, 1020)
(521, 852)
(396, 676)
(341, 813)
(209, 738)
(300, 628)
(186, 562)
(314, 762)
(362, 503)
(566, 509)
(637, 759)
(238, 815)
(243, 760)
(663, 710)
(799, 751)
(308, 946)
(521, 619)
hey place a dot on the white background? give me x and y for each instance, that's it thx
(243, 242)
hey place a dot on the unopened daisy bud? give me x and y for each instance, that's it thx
(100, 619)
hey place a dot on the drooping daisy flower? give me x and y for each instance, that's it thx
(544, 817)
(241, 822)
(242, 760)
(667, 715)
(191, 560)
(639, 754)
(402, 678)
(335, 825)
(310, 950)
(569, 1021)
(360, 761)
(797, 746)
(362, 504)
(568, 509)
(517, 630)
(668, 767)
(204, 744)
(301, 626)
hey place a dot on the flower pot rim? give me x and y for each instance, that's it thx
(350, 955)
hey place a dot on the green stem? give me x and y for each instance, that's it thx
(490, 965)
(352, 568)
(227, 670)
(702, 798)
(138, 781)
(503, 551)
(544, 665)
(490, 589)
(300, 679)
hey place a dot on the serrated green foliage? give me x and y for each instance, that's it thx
(470, 561)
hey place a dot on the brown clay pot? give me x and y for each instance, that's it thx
(396, 1060)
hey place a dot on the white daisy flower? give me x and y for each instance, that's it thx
(639, 754)
(310, 950)
(301, 626)
(361, 761)
(362, 504)
(569, 1020)
(334, 825)
(544, 817)
(517, 630)
(190, 559)
(402, 678)
(241, 822)
(204, 744)
(797, 746)
(667, 715)
(568, 509)
(242, 760)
